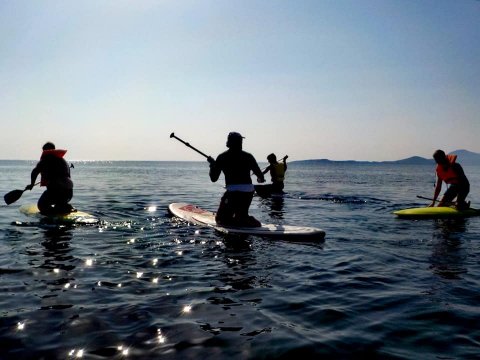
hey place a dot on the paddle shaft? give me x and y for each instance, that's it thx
(426, 198)
(172, 135)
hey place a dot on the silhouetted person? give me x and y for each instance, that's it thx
(55, 175)
(236, 165)
(277, 172)
(450, 172)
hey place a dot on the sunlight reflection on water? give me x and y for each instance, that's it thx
(121, 289)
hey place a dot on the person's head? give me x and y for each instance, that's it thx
(48, 146)
(272, 158)
(234, 141)
(440, 157)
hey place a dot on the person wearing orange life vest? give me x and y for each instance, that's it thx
(450, 172)
(277, 172)
(55, 175)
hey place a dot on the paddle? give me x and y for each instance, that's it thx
(426, 198)
(14, 195)
(172, 135)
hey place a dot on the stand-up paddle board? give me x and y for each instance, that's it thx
(75, 217)
(198, 216)
(436, 212)
(267, 190)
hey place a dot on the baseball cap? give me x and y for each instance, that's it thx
(235, 135)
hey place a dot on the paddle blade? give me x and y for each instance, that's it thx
(13, 196)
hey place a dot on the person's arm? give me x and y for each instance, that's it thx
(285, 162)
(33, 178)
(256, 170)
(215, 170)
(267, 169)
(438, 188)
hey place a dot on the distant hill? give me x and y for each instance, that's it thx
(465, 157)
(327, 161)
(414, 160)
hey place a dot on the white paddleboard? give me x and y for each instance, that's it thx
(198, 216)
(76, 217)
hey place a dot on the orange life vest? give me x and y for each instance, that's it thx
(59, 153)
(446, 172)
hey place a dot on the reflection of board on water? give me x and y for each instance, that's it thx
(436, 212)
(198, 216)
(268, 190)
(75, 217)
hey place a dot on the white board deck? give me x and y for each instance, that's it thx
(76, 217)
(198, 216)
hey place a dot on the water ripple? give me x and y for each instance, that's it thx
(144, 285)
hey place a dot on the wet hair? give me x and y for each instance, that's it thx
(272, 157)
(48, 146)
(440, 157)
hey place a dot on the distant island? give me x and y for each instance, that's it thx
(465, 157)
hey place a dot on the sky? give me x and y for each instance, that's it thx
(337, 79)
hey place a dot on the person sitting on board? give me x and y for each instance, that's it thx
(450, 172)
(277, 172)
(55, 175)
(236, 165)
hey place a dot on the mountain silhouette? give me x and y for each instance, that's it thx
(464, 157)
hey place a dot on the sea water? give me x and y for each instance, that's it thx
(143, 285)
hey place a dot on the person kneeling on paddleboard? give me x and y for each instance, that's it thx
(277, 172)
(451, 172)
(236, 165)
(55, 175)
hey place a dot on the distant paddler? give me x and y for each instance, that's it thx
(277, 172)
(450, 172)
(55, 175)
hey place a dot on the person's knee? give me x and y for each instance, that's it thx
(44, 204)
(45, 208)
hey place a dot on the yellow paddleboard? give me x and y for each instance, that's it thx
(75, 217)
(436, 212)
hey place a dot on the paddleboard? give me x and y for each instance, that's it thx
(267, 191)
(76, 217)
(436, 212)
(198, 216)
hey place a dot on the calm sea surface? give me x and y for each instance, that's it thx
(142, 285)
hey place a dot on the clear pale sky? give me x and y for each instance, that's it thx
(336, 79)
